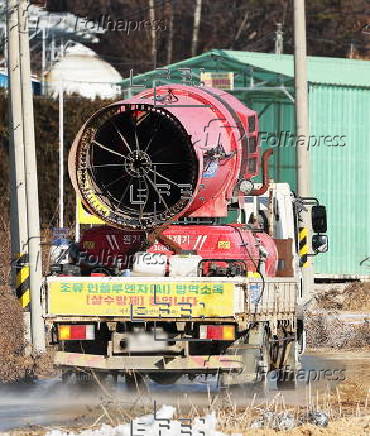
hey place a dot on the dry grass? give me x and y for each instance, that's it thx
(347, 408)
(4, 250)
(12, 345)
(324, 316)
(13, 364)
(230, 418)
(355, 297)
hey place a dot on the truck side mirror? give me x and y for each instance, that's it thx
(318, 216)
(320, 243)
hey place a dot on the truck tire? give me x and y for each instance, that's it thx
(134, 379)
(164, 378)
(67, 376)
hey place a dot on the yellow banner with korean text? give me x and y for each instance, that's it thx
(140, 299)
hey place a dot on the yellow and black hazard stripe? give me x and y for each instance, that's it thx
(22, 280)
(303, 247)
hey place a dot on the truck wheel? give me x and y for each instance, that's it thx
(134, 379)
(67, 376)
(164, 378)
(87, 379)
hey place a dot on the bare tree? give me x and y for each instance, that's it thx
(197, 14)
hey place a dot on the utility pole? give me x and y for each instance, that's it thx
(351, 50)
(154, 36)
(61, 156)
(18, 206)
(279, 39)
(170, 33)
(52, 49)
(32, 195)
(301, 95)
(5, 52)
(197, 13)
(61, 49)
(302, 128)
(43, 62)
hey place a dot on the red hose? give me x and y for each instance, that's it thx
(266, 180)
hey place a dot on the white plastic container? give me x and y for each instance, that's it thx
(184, 265)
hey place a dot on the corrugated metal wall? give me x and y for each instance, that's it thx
(341, 175)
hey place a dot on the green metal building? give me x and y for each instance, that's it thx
(339, 111)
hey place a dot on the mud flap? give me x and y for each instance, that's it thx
(252, 359)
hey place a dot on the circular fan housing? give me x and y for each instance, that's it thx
(144, 162)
